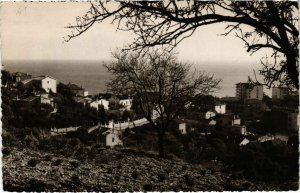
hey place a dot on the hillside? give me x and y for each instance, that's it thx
(30, 169)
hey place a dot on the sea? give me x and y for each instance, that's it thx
(93, 76)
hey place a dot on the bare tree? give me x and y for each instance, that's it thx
(162, 85)
(274, 26)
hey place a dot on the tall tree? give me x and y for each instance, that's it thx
(162, 85)
(273, 25)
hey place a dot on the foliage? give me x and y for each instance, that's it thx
(266, 161)
(162, 85)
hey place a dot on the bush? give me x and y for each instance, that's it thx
(189, 180)
(75, 178)
(6, 151)
(35, 185)
(162, 177)
(57, 162)
(48, 158)
(148, 187)
(135, 175)
(32, 162)
(74, 163)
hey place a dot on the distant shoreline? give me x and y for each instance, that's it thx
(95, 76)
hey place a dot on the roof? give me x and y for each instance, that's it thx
(74, 87)
(43, 77)
(37, 78)
(244, 142)
(29, 99)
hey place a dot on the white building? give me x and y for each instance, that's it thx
(95, 104)
(240, 129)
(46, 99)
(209, 114)
(85, 93)
(46, 82)
(236, 120)
(279, 92)
(212, 122)
(244, 142)
(247, 91)
(220, 109)
(112, 138)
(182, 128)
(127, 103)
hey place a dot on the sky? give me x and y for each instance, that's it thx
(35, 31)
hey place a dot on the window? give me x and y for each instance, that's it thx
(113, 139)
(47, 82)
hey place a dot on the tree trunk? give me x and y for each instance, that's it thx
(292, 70)
(161, 150)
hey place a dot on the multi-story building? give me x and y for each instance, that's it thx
(248, 91)
(46, 82)
(78, 91)
(279, 92)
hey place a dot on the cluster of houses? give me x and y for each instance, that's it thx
(44, 89)
(48, 85)
(225, 114)
(231, 114)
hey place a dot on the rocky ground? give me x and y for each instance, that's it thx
(115, 170)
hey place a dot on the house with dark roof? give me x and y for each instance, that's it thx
(46, 82)
(78, 91)
(20, 76)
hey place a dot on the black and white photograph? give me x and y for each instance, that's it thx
(149, 96)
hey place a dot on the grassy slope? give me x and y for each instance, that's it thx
(112, 170)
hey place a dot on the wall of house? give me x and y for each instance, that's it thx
(256, 92)
(45, 99)
(279, 93)
(102, 102)
(49, 84)
(220, 109)
(112, 139)
(236, 121)
(182, 128)
(127, 103)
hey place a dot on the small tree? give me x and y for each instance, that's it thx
(162, 86)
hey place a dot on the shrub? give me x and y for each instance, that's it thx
(148, 187)
(74, 163)
(32, 162)
(92, 153)
(74, 142)
(202, 171)
(135, 175)
(75, 178)
(246, 185)
(162, 177)
(189, 180)
(35, 185)
(48, 158)
(6, 151)
(28, 141)
(57, 162)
